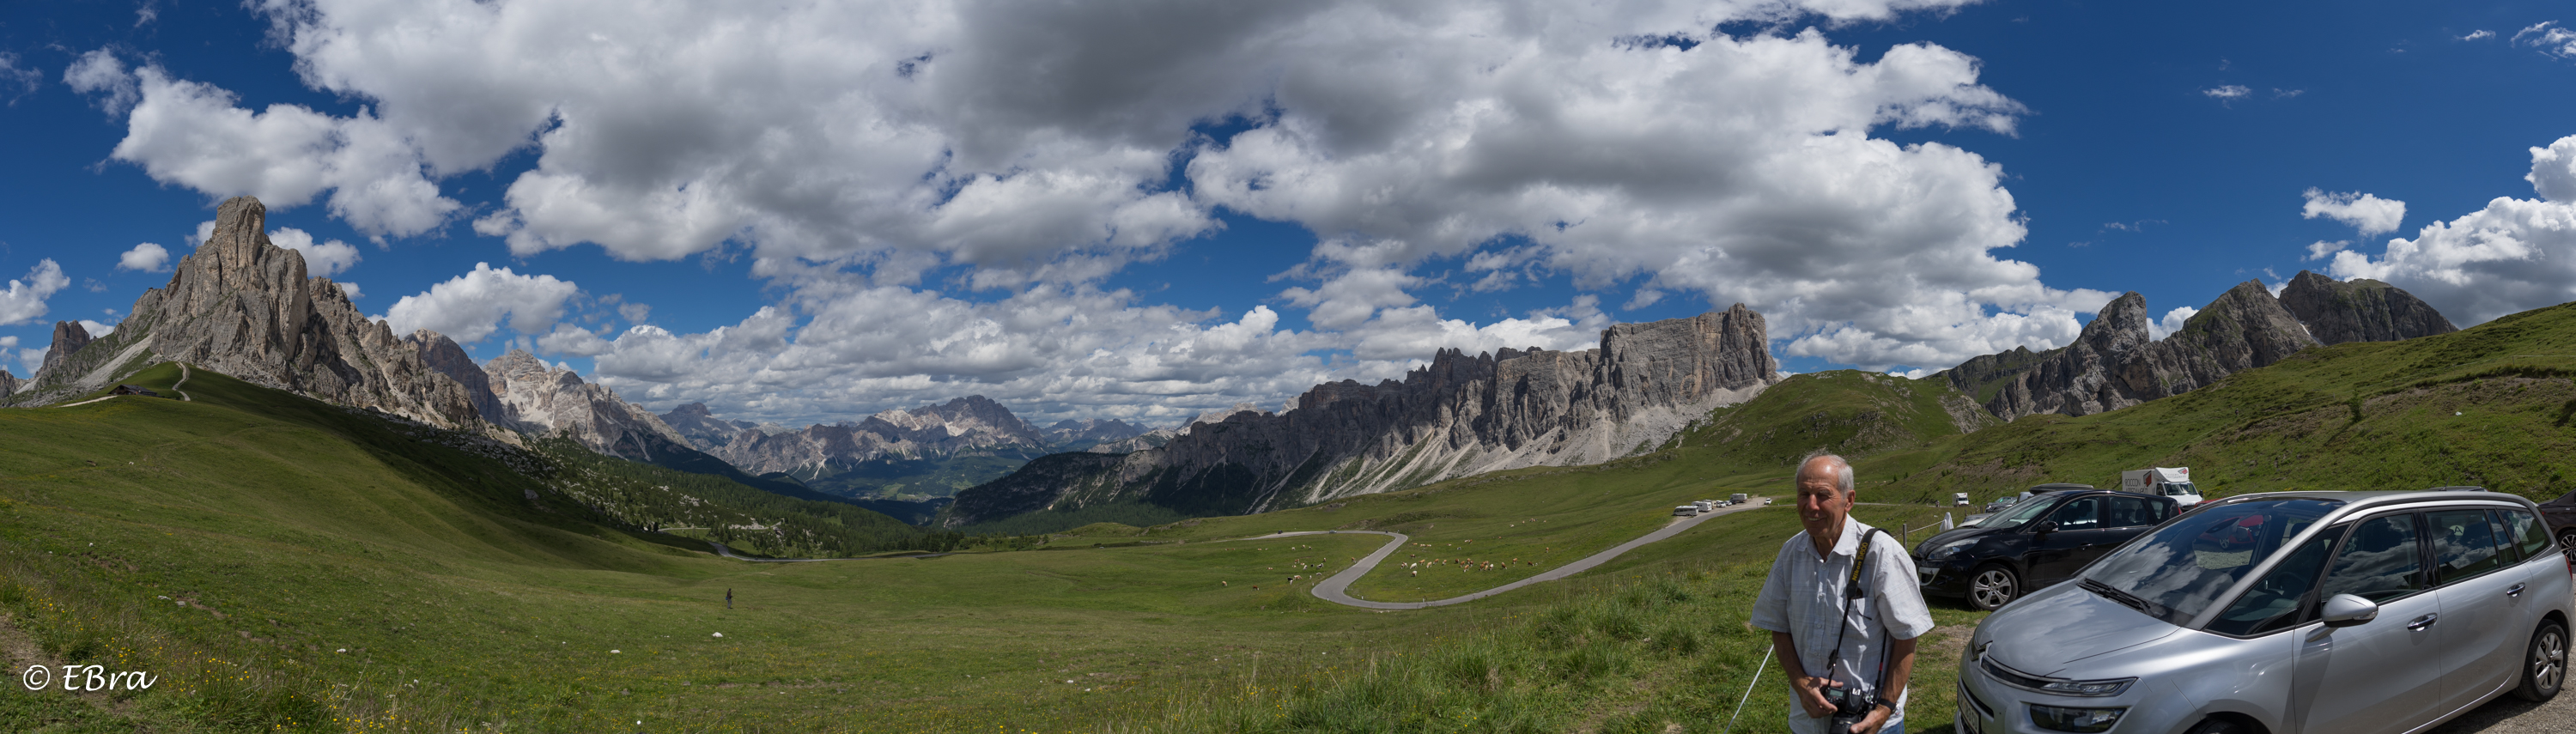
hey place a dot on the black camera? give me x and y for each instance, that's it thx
(1849, 709)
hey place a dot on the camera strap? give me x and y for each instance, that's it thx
(1853, 592)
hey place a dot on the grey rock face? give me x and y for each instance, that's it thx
(702, 428)
(1460, 415)
(968, 424)
(69, 338)
(8, 383)
(2116, 364)
(2360, 310)
(443, 354)
(555, 401)
(242, 306)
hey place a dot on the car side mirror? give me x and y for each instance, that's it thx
(2345, 610)
(2046, 527)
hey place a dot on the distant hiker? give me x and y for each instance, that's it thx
(1845, 666)
(728, 598)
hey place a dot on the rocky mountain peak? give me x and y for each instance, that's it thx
(69, 337)
(2116, 362)
(2359, 310)
(552, 400)
(242, 306)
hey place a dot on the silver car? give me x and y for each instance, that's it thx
(2341, 612)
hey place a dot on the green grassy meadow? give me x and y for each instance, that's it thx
(284, 565)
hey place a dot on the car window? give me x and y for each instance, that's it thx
(2020, 513)
(2526, 533)
(2081, 514)
(2272, 603)
(2181, 568)
(2129, 512)
(2464, 545)
(2380, 562)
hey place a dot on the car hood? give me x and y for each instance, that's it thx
(1954, 534)
(2044, 633)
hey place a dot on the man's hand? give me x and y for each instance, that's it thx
(1811, 695)
(1877, 718)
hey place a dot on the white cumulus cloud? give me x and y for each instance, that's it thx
(2513, 255)
(24, 301)
(2322, 249)
(146, 257)
(469, 307)
(2228, 91)
(2367, 213)
(2174, 320)
(324, 259)
(2549, 38)
(1040, 145)
(194, 135)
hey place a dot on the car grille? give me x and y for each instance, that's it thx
(1972, 699)
(2009, 676)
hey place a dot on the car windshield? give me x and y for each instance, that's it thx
(2019, 513)
(2177, 571)
(2177, 489)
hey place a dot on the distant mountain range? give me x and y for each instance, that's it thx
(244, 307)
(908, 454)
(1458, 416)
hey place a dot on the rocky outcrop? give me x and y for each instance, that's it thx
(242, 306)
(1457, 416)
(443, 354)
(555, 401)
(69, 338)
(967, 425)
(2116, 362)
(702, 428)
(8, 383)
(2359, 310)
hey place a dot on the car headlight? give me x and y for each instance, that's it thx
(1949, 549)
(2059, 718)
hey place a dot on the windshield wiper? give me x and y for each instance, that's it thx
(2124, 598)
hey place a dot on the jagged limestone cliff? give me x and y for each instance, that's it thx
(2116, 362)
(243, 306)
(1460, 415)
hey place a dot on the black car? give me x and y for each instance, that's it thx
(2041, 541)
(2561, 515)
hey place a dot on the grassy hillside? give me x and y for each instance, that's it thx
(284, 564)
(2487, 406)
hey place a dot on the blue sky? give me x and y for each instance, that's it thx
(1146, 209)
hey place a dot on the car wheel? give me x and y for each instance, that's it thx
(2544, 665)
(2567, 539)
(2221, 726)
(1992, 586)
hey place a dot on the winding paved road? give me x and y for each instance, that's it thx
(1336, 588)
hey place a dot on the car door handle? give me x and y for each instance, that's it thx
(2515, 591)
(2424, 621)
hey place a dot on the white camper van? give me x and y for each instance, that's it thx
(2172, 482)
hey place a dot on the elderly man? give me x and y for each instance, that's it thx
(1838, 642)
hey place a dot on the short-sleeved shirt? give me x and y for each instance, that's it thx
(1804, 597)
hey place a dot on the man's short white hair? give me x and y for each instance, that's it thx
(1842, 470)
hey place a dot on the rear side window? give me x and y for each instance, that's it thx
(2273, 603)
(2526, 533)
(2129, 512)
(2464, 545)
(2082, 514)
(2381, 561)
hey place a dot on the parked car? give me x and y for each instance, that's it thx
(2031, 545)
(2560, 514)
(2286, 612)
